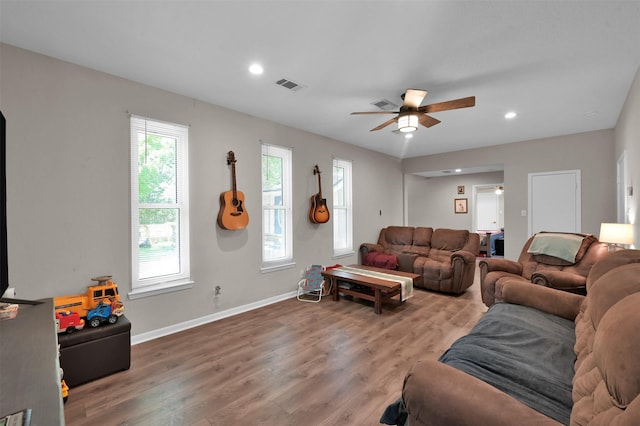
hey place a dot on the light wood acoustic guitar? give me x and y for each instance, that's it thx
(319, 212)
(233, 214)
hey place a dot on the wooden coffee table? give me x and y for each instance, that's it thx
(383, 290)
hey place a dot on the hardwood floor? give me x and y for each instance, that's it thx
(291, 363)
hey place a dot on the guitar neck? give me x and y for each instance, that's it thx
(316, 171)
(233, 180)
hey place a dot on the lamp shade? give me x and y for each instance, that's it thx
(616, 233)
(408, 123)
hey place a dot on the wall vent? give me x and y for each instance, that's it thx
(288, 84)
(385, 105)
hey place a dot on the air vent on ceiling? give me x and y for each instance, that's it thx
(291, 85)
(385, 105)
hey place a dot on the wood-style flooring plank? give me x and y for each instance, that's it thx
(291, 363)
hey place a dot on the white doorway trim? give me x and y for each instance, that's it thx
(622, 183)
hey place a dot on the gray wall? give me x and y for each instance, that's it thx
(431, 199)
(591, 152)
(627, 138)
(68, 189)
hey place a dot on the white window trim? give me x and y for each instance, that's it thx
(166, 283)
(348, 195)
(287, 261)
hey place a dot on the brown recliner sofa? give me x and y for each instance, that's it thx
(542, 269)
(444, 258)
(597, 384)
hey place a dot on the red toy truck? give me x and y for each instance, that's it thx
(67, 321)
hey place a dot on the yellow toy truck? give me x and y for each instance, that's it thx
(100, 303)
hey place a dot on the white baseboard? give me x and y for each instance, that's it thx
(176, 328)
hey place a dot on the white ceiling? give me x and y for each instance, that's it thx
(564, 66)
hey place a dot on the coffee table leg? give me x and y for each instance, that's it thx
(378, 303)
(334, 287)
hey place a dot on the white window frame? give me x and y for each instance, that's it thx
(286, 261)
(181, 280)
(338, 207)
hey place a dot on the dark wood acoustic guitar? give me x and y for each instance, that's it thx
(233, 214)
(319, 212)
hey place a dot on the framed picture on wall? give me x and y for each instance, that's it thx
(460, 205)
(460, 189)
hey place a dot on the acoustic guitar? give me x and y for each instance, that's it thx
(319, 213)
(233, 214)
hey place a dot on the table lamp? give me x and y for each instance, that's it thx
(616, 234)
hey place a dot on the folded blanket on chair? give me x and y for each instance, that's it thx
(562, 246)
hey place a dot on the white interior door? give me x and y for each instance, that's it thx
(554, 202)
(488, 212)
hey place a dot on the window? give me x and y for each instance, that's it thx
(159, 206)
(277, 218)
(342, 208)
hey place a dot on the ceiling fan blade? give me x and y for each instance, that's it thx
(427, 120)
(445, 106)
(385, 124)
(374, 112)
(413, 98)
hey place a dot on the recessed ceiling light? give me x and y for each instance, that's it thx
(256, 69)
(458, 170)
(510, 115)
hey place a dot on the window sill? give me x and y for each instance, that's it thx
(280, 267)
(344, 254)
(162, 288)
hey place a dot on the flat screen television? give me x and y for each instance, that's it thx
(4, 248)
(4, 255)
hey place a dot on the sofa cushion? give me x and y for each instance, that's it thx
(610, 289)
(596, 381)
(399, 235)
(449, 239)
(406, 262)
(612, 260)
(620, 367)
(422, 236)
(607, 385)
(524, 352)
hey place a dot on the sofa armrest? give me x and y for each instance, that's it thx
(546, 299)
(432, 395)
(464, 255)
(369, 247)
(559, 279)
(506, 265)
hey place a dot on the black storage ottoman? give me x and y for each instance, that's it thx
(91, 353)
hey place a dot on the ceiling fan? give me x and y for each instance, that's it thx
(411, 113)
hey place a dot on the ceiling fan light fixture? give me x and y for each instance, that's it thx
(408, 123)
